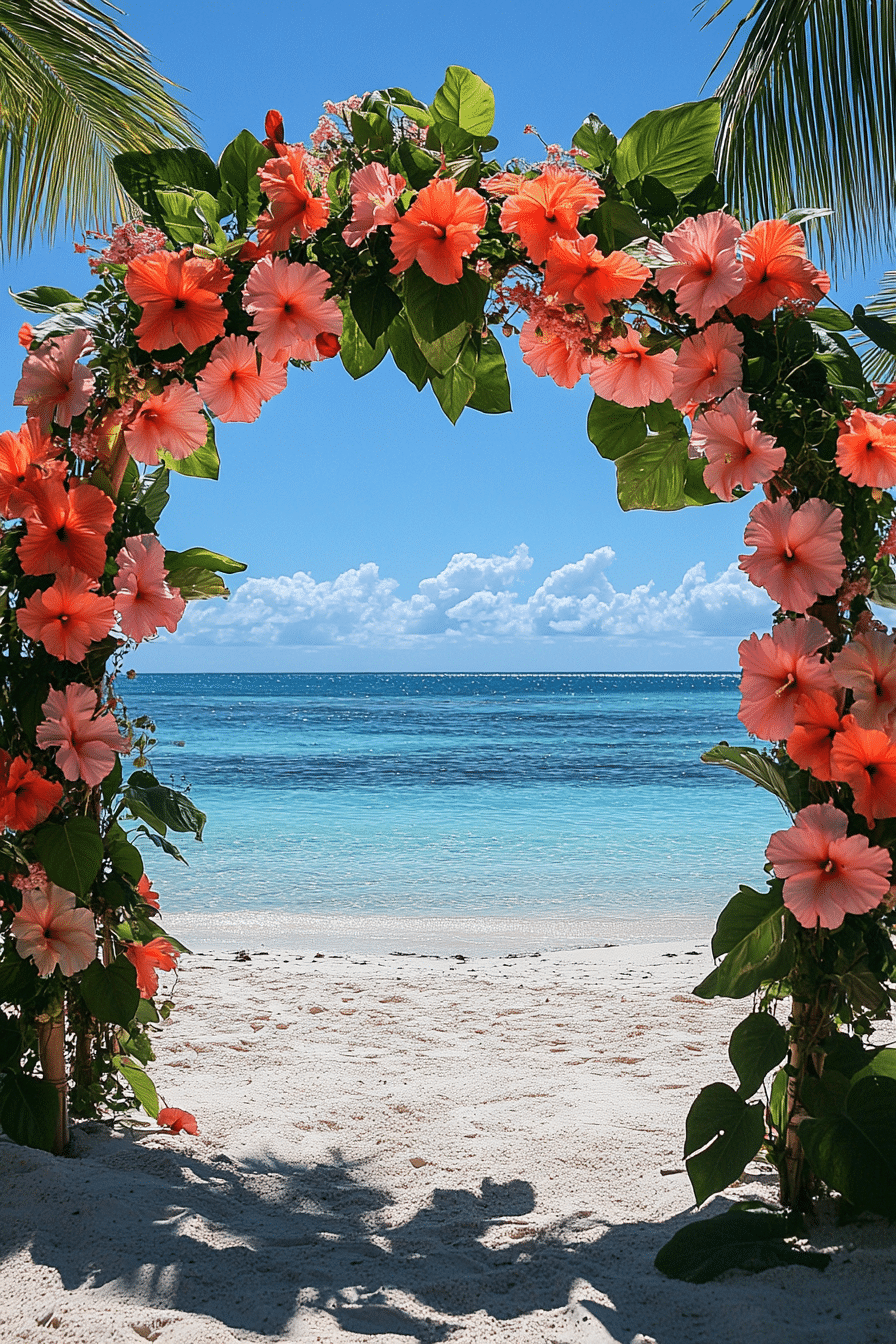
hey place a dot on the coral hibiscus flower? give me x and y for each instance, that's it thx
(233, 386)
(68, 617)
(26, 798)
(548, 206)
(798, 557)
(736, 452)
(66, 529)
(709, 365)
(552, 356)
(170, 421)
(827, 874)
(26, 457)
(86, 740)
(816, 719)
(181, 299)
(777, 669)
(374, 192)
(143, 600)
(159, 954)
(173, 1118)
(290, 311)
(53, 931)
(777, 271)
(146, 893)
(867, 666)
(287, 182)
(865, 759)
(439, 230)
(53, 385)
(577, 272)
(706, 272)
(634, 377)
(866, 449)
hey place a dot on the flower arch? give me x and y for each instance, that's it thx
(715, 367)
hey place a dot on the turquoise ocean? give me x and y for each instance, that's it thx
(451, 812)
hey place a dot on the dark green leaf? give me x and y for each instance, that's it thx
(418, 165)
(492, 393)
(28, 1110)
(112, 782)
(154, 499)
(466, 101)
(882, 333)
(358, 356)
(159, 840)
(722, 1135)
(124, 856)
(615, 430)
(443, 354)
(745, 1236)
(597, 140)
(407, 354)
(826, 1095)
(842, 364)
(177, 216)
(374, 304)
(434, 309)
(855, 1152)
(757, 1044)
(204, 463)
(881, 1065)
(759, 954)
(110, 992)
(616, 224)
(72, 853)
(143, 175)
(743, 914)
(48, 299)
(170, 807)
(649, 194)
(370, 130)
(147, 1012)
(455, 388)
(198, 557)
(696, 491)
(777, 1101)
(18, 980)
(675, 145)
(753, 765)
(652, 475)
(240, 187)
(140, 1084)
(10, 1041)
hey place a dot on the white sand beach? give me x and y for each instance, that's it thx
(415, 1148)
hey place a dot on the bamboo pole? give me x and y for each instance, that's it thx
(51, 1049)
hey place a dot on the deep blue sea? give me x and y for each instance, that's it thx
(409, 797)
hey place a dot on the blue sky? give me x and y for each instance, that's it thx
(377, 535)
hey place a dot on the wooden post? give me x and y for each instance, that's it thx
(51, 1048)
(810, 1026)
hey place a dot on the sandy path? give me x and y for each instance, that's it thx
(406, 1148)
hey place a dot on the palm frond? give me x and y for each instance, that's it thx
(75, 90)
(809, 118)
(879, 365)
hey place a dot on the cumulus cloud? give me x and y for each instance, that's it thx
(474, 598)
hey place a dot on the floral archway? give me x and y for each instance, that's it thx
(716, 366)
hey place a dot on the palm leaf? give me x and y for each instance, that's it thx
(75, 90)
(809, 118)
(879, 365)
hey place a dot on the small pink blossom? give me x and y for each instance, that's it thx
(53, 931)
(127, 241)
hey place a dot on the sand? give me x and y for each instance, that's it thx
(415, 1148)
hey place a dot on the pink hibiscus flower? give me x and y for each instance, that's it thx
(867, 666)
(737, 453)
(287, 301)
(709, 365)
(865, 759)
(635, 377)
(143, 600)
(53, 385)
(827, 874)
(86, 740)
(578, 272)
(67, 617)
(777, 271)
(552, 356)
(233, 386)
(816, 722)
(866, 449)
(170, 421)
(148, 958)
(798, 557)
(777, 669)
(374, 191)
(53, 931)
(706, 272)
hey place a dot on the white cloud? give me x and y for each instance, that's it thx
(474, 598)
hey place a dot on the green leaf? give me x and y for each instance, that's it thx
(10, 1041)
(615, 430)
(882, 1065)
(455, 388)
(757, 1044)
(882, 333)
(48, 299)
(198, 557)
(147, 1012)
(168, 806)
(843, 366)
(434, 309)
(722, 1135)
(753, 765)
(110, 992)
(777, 1101)
(824, 1096)
(466, 101)
(204, 463)
(178, 217)
(112, 783)
(358, 356)
(746, 1236)
(616, 224)
(374, 305)
(161, 843)
(71, 853)
(154, 499)
(750, 932)
(492, 392)
(240, 188)
(143, 175)
(443, 354)
(418, 165)
(19, 981)
(125, 857)
(652, 475)
(832, 319)
(407, 353)
(409, 106)
(855, 1152)
(28, 1110)
(597, 140)
(370, 131)
(696, 492)
(196, 585)
(675, 145)
(140, 1084)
